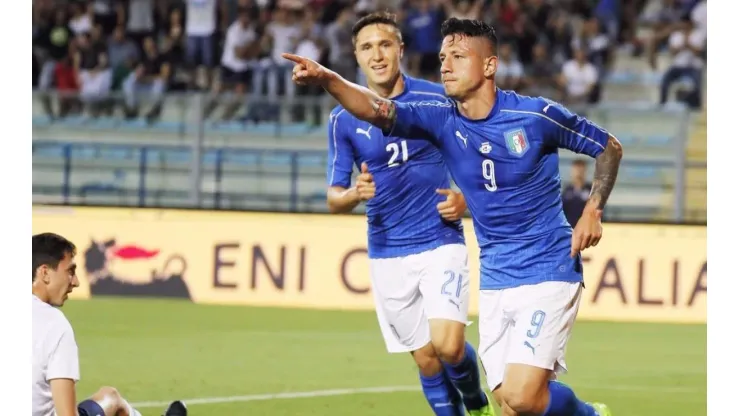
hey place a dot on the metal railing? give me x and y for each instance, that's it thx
(243, 164)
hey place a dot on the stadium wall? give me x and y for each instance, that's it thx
(650, 273)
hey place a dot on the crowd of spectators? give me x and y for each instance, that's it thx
(105, 54)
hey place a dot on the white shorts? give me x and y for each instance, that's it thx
(410, 290)
(526, 325)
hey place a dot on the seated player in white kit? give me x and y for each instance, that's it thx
(55, 368)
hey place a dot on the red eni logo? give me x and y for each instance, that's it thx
(134, 270)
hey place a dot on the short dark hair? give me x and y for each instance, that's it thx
(49, 249)
(377, 18)
(471, 28)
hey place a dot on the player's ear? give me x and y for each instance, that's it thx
(42, 273)
(489, 70)
(400, 49)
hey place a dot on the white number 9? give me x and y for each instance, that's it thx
(489, 174)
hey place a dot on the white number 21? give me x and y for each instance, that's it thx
(393, 147)
(490, 175)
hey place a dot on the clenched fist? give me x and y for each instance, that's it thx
(365, 185)
(587, 232)
(453, 208)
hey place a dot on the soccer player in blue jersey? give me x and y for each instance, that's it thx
(418, 258)
(502, 151)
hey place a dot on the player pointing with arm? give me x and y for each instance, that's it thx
(55, 365)
(502, 150)
(418, 258)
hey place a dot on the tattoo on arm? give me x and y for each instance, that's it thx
(605, 172)
(385, 113)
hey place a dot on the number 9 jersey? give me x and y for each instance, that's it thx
(506, 165)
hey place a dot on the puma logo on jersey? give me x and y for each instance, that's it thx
(365, 132)
(461, 137)
(544, 110)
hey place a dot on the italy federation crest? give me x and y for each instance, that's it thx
(516, 142)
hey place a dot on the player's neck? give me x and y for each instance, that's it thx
(479, 105)
(39, 293)
(391, 90)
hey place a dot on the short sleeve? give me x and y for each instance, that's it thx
(339, 159)
(570, 131)
(64, 359)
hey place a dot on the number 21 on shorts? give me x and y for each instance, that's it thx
(451, 277)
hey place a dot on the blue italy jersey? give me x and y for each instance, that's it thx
(507, 167)
(402, 217)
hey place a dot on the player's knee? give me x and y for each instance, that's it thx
(108, 393)
(448, 339)
(109, 399)
(525, 399)
(451, 351)
(427, 360)
(521, 401)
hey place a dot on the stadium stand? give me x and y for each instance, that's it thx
(129, 95)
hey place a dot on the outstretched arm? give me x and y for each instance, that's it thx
(357, 100)
(361, 102)
(414, 120)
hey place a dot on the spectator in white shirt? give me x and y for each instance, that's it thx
(55, 367)
(579, 79)
(311, 46)
(282, 34)
(509, 72)
(241, 47)
(81, 21)
(686, 48)
(200, 27)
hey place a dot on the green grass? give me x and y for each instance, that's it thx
(154, 350)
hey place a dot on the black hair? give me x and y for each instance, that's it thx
(377, 18)
(470, 28)
(49, 250)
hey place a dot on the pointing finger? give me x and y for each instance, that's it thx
(295, 58)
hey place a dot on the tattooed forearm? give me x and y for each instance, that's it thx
(385, 113)
(605, 173)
